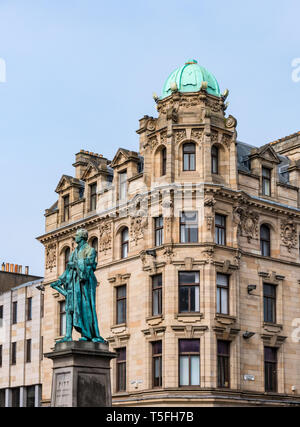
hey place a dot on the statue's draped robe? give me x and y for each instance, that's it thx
(80, 284)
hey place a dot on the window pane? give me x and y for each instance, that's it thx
(156, 303)
(188, 277)
(224, 301)
(184, 370)
(195, 370)
(222, 280)
(189, 346)
(121, 291)
(157, 347)
(183, 299)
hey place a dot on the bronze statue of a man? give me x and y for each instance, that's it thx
(78, 285)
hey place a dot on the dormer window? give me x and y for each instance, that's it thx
(189, 157)
(66, 208)
(266, 181)
(122, 185)
(214, 160)
(93, 197)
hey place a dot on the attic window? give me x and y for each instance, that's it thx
(266, 181)
(66, 208)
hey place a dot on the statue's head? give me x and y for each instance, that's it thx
(81, 234)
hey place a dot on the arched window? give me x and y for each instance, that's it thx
(124, 243)
(94, 244)
(163, 161)
(214, 160)
(189, 157)
(265, 240)
(66, 256)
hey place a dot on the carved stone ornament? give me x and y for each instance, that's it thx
(230, 122)
(209, 221)
(247, 222)
(180, 135)
(151, 125)
(288, 234)
(226, 140)
(214, 137)
(209, 201)
(105, 237)
(168, 254)
(138, 224)
(215, 106)
(197, 134)
(163, 137)
(51, 256)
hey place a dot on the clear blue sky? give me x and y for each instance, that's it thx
(80, 73)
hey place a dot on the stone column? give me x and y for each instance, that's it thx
(81, 374)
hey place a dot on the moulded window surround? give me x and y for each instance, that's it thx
(67, 253)
(121, 303)
(121, 369)
(214, 160)
(66, 208)
(223, 360)
(189, 156)
(124, 242)
(269, 303)
(270, 362)
(163, 161)
(222, 294)
(123, 185)
(159, 230)
(266, 181)
(189, 292)
(62, 318)
(265, 240)
(157, 295)
(189, 227)
(220, 229)
(189, 362)
(156, 364)
(93, 196)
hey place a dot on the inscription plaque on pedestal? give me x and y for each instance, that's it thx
(81, 374)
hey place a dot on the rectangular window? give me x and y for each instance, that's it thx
(159, 230)
(222, 293)
(121, 369)
(42, 304)
(121, 304)
(29, 308)
(223, 350)
(28, 351)
(266, 181)
(123, 185)
(42, 348)
(189, 362)
(30, 396)
(189, 292)
(15, 397)
(220, 229)
(157, 295)
(15, 312)
(157, 364)
(66, 208)
(189, 227)
(269, 303)
(93, 197)
(270, 369)
(1, 350)
(62, 318)
(13, 353)
(1, 316)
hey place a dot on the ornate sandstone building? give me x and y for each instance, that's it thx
(197, 236)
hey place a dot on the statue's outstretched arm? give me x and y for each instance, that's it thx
(58, 287)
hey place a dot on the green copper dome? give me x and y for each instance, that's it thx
(189, 78)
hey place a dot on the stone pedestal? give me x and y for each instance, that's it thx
(81, 374)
